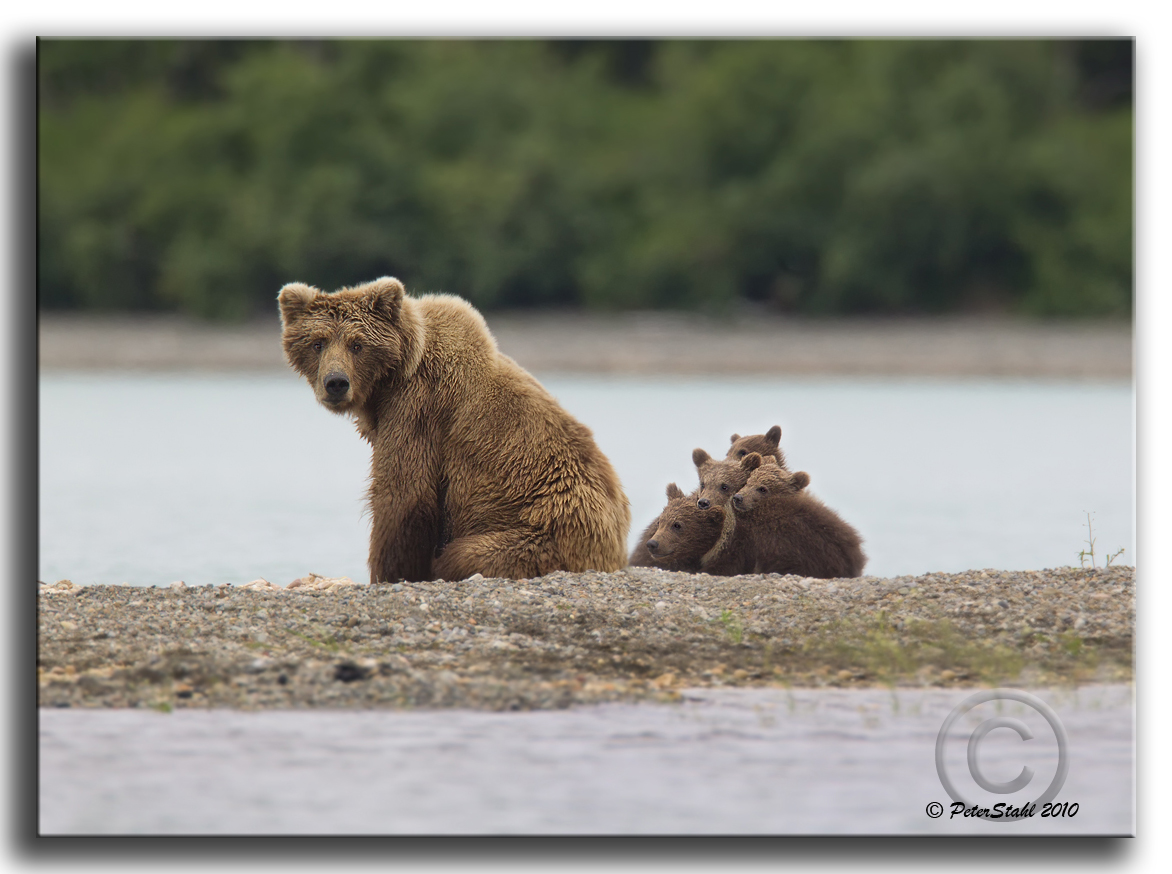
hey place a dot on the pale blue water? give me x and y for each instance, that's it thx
(211, 479)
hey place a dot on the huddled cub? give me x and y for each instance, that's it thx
(773, 525)
(718, 481)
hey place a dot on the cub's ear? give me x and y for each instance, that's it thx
(386, 297)
(801, 479)
(699, 456)
(773, 435)
(752, 461)
(293, 300)
(673, 491)
(734, 438)
(768, 460)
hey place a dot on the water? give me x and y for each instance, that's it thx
(724, 761)
(211, 479)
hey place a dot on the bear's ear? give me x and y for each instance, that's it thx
(752, 461)
(294, 299)
(674, 491)
(734, 438)
(386, 297)
(699, 456)
(767, 460)
(773, 435)
(801, 479)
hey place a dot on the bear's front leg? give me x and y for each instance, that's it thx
(406, 522)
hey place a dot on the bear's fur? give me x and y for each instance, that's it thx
(774, 526)
(475, 467)
(684, 533)
(720, 480)
(640, 556)
(763, 444)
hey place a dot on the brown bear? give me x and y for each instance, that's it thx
(640, 555)
(684, 534)
(765, 444)
(475, 467)
(774, 526)
(720, 480)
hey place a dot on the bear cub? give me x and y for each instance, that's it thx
(725, 477)
(684, 533)
(720, 480)
(778, 527)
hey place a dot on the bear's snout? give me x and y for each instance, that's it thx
(703, 503)
(336, 384)
(653, 546)
(738, 501)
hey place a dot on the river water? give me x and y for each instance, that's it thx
(723, 761)
(147, 479)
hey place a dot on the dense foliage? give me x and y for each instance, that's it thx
(812, 176)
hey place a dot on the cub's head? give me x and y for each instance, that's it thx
(346, 341)
(685, 532)
(766, 479)
(719, 480)
(763, 444)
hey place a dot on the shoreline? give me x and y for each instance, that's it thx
(569, 639)
(644, 343)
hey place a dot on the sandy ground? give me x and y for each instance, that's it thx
(721, 761)
(649, 344)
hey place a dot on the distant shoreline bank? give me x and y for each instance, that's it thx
(647, 344)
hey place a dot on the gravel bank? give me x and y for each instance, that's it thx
(567, 639)
(648, 344)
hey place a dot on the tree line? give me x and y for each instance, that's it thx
(806, 176)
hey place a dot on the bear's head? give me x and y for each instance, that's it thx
(766, 479)
(719, 480)
(685, 532)
(763, 444)
(346, 341)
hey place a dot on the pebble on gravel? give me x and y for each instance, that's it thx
(567, 638)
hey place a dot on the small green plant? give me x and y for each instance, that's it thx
(1072, 644)
(1085, 554)
(329, 642)
(732, 626)
(162, 706)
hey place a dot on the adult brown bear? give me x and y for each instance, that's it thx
(475, 467)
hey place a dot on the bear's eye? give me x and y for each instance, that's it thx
(675, 526)
(724, 487)
(355, 348)
(761, 489)
(742, 453)
(317, 344)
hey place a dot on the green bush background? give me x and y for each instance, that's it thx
(819, 177)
